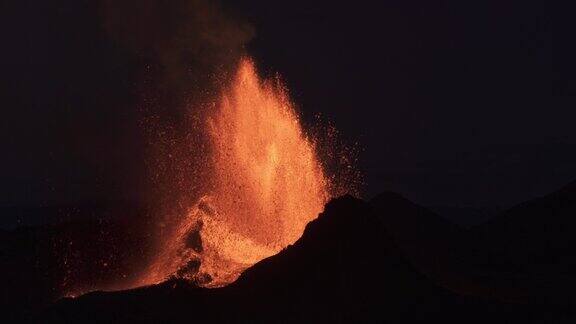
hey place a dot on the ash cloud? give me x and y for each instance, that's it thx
(191, 43)
(189, 49)
(82, 79)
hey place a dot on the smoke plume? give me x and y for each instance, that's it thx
(192, 43)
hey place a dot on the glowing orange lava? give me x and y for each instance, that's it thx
(267, 183)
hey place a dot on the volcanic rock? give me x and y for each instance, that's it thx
(347, 267)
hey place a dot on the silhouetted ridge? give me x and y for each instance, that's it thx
(42, 263)
(345, 246)
(417, 230)
(347, 267)
(538, 240)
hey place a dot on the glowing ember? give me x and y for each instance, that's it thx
(267, 183)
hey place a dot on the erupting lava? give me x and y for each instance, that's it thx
(267, 183)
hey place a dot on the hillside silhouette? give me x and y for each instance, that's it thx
(387, 260)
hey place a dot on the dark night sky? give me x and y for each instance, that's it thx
(457, 103)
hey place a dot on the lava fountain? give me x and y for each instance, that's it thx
(266, 184)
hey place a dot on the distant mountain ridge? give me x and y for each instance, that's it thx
(387, 260)
(354, 263)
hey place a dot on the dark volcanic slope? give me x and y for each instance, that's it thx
(451, 256)
(98, 248)
(537, 239)
(541, 228)
(346, 268)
